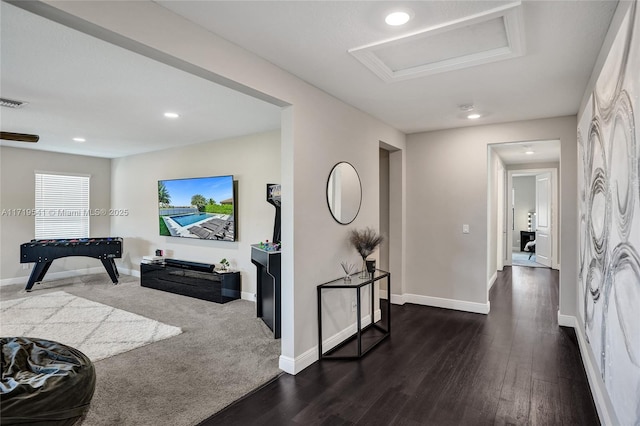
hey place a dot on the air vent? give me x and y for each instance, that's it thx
(10, 103)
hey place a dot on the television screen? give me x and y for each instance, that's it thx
(201, 208)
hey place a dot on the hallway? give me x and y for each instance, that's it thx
(443, 367)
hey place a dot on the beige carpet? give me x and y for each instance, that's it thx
(223, 353)
(97, 330)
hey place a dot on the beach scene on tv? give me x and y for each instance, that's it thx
(200, 208)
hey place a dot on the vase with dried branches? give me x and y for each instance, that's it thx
(365, 242)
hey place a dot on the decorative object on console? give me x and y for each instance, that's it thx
(267, 246)
(365, 242)
(344, 193)
(224, 264)
(348, 270)
(152, 259)
(371, 265)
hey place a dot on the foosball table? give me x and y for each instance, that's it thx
(44, 252)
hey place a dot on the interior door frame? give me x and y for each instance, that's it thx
(501, 241)
(555, 234)
(544, 222)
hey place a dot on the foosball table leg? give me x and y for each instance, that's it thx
(37, 274)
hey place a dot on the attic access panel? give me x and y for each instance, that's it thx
(490, 36)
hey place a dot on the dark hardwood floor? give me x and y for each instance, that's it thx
(441, 367)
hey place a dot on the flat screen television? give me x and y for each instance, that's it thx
(201, 208)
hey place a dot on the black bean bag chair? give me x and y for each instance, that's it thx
(44, 382)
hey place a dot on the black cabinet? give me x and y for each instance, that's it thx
(268, 290)
(188, 279)
(525, 237)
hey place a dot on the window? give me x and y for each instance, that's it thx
(62, 206)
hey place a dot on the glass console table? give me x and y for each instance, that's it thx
(364, 339)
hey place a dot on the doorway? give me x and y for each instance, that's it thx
(391, 218)
(530, 222)
(523, 205)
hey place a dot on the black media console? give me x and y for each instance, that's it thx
(193, 279)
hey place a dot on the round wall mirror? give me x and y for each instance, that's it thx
(344, 193)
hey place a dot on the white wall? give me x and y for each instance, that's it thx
(17, 191)
(253, 160)
(447, 187)
(317, 132)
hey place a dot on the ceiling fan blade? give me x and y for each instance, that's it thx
(20, 137)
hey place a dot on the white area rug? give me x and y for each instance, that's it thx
(522, 259)
(98, 330)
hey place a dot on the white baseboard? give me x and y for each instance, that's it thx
(492, 280)
(299, 363)
(245, 295)
(598, 389)
(566, 320)
(332, 341)
(398, 299)
(55, 275)
(458, 305)
(134, 273)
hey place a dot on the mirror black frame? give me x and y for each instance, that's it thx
(327, 193)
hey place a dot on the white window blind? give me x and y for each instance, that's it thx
(62, 206)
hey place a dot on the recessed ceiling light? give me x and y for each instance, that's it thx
(397, 18)
(171, 115)
(529, 152)
(473, 116)
(79, 139)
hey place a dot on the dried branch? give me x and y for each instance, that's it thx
(365, 241)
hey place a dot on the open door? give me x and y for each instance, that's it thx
(543, 218)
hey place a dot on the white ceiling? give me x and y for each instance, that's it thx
(516, 153)
(79, 86)
(312, 39)
(85, 87)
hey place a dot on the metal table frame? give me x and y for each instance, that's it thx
(356, 284)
